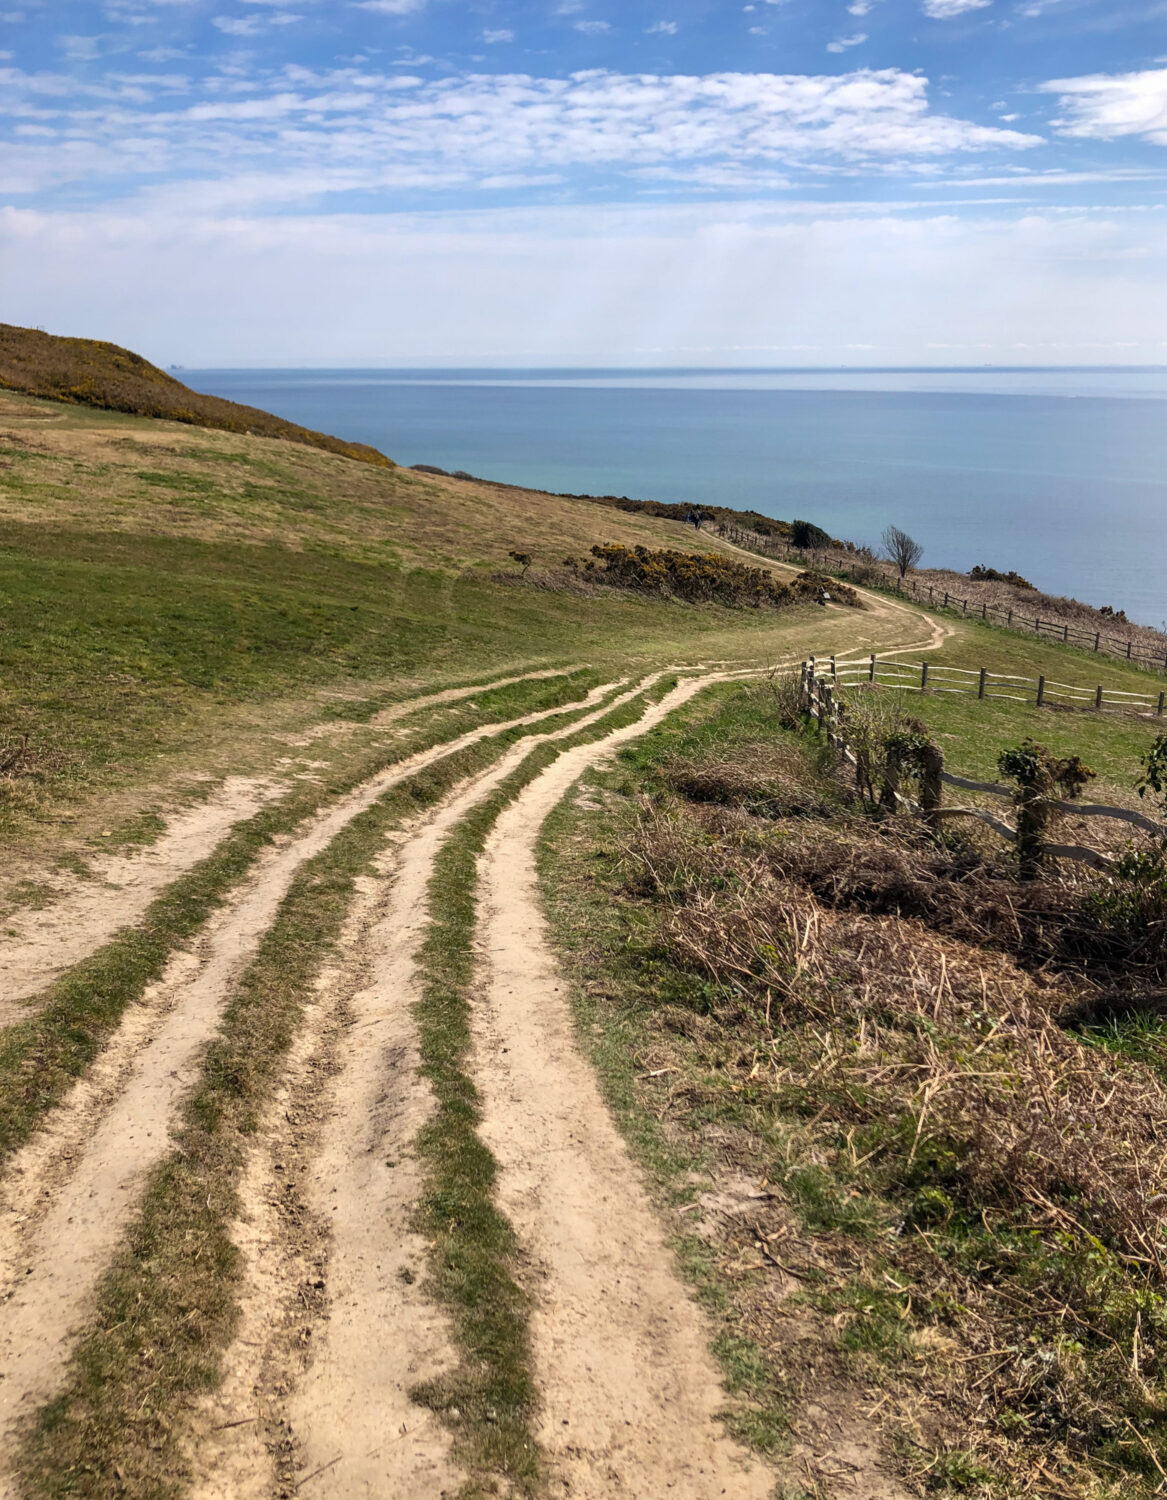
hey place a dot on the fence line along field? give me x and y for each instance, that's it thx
(983, 682)
(820, 697)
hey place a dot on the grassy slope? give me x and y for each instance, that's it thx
(170, 595)
(173, 595)
(90, 372)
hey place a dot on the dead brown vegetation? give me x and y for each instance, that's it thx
(974, 1191)
(91, 372)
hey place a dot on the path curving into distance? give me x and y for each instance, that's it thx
(68, 1195)
(336, 1327)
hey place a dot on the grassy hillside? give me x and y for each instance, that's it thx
(90, 372)
(168, 591)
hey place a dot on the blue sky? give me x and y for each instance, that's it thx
(581, 181)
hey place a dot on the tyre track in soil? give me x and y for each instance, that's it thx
(40, 945)
(333, 1335)
(336, 1327)
(68, 1194)
(630, 1391)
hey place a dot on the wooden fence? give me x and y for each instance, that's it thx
(820, 689)
(970, 609)
(980, 682)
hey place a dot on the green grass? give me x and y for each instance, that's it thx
(117, 650)
(973, 645)
(973, 732)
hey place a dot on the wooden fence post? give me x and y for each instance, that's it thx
(931, 785)
(1098, 697)
(834, 671)
(871, 674)
(984, 611)
(1065, 632)
(923, 675)
(1128, 650)
(964, 606)
(1009, 621)
(1159, 710)
(1097, 638)
(1040, 691)
(946, 599)
(981, 685)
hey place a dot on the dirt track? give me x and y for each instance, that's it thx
(629, 1390)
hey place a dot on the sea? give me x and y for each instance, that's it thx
(1060, 474)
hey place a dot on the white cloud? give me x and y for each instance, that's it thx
(593, 28)
(844, 42)
(80, 48)
(354, 127)
(860, 7)
(661, 28)
(392, 7)
(593, 285)
(237, 25)
(500, 34)
(1103, 106)
(944, 10)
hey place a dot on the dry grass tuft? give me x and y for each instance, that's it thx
(980, 1189)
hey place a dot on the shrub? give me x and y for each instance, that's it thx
(806, 535)
(981, 574)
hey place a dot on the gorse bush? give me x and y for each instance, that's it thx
(709, 578)
(993, 575)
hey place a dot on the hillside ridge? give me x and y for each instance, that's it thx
(92, 372)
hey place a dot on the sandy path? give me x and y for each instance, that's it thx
(349, 1415)
(630, 1391)
(68, 1195)
(41, 945)
(408, 706)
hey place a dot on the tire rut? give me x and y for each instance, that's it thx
(630, 1391)
(337, 1324)
(69, 1194)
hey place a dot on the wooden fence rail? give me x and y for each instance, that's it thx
(980, 682)
(971, 609)
(820, 687)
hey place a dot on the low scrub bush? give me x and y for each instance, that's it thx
(709, 578)
(954, 1151)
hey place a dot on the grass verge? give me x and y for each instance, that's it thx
(902, 1188)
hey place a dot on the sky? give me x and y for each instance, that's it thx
(588, 182)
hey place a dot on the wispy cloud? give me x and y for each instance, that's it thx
(661, 28)
(497, 34)
(945, 10)
(843, 43)
(1104, 106)
(352, 127)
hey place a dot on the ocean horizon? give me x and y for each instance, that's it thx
(1057, 472)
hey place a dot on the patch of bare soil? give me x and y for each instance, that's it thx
(68, 1195)
(630, 1391)
(41, 945)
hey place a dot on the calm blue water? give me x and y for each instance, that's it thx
(1059, 474)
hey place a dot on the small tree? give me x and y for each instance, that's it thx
(902, 549)
(524, 560)
(806, 536)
